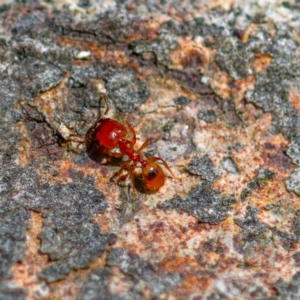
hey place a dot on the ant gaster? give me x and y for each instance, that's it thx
(108, 134)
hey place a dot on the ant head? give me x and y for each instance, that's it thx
(108, 132)
(153, 175)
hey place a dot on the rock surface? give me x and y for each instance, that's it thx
(217, 82)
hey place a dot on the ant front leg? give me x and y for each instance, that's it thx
(114, 154)
(133, 141)
(73, 142)
(146, 143)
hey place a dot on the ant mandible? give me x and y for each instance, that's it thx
(107, 134)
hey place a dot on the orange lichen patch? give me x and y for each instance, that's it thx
(108, 221)
(278, 209)
(118, 284)
(60, 176)
(49, 100)
(223, 5)
(269, 192)
(253, 28)
(248, 158)
(261, 61)
(24, 146)
(156, 234)
(152, 229)
(42, 142)
(104, 183)
(239, 87)
(178, 263)
(238, 90)
(190, 55)
(117, 57)
(258, 254)
(282, 265)
(272, 151)
(44, 100)
(294, 99)
(99, 53)
(192, 285)
(163, 91)
(69, 288)
(230, 184)
(25, 273)
(66, 289)
(99, 262)
(220, 83)
(64, 167)
(211, 139)
(55, 98)
(144, 30)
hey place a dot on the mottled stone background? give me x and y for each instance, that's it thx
(216, 83)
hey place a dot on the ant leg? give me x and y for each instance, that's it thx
(89, 133)
(154, 158)
(107, 107)
(130, 171)
(132, 168)
(78, 138)
(133, 141)
(123, 178)
(123, 167)
(146, 143)
(114, 154)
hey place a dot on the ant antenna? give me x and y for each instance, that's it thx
(107, 107)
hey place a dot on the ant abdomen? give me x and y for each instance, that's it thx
(153, 175)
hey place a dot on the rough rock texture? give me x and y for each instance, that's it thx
(203, 167)
(204, 203)
(217, 83)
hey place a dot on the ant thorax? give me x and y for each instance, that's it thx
(127, 148)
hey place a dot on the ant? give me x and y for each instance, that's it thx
(107, 134)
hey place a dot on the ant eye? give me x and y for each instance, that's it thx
(153, 176)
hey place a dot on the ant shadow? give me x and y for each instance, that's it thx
(140, 186)
(97, 153)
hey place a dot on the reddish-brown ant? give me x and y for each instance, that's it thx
(108, 134)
